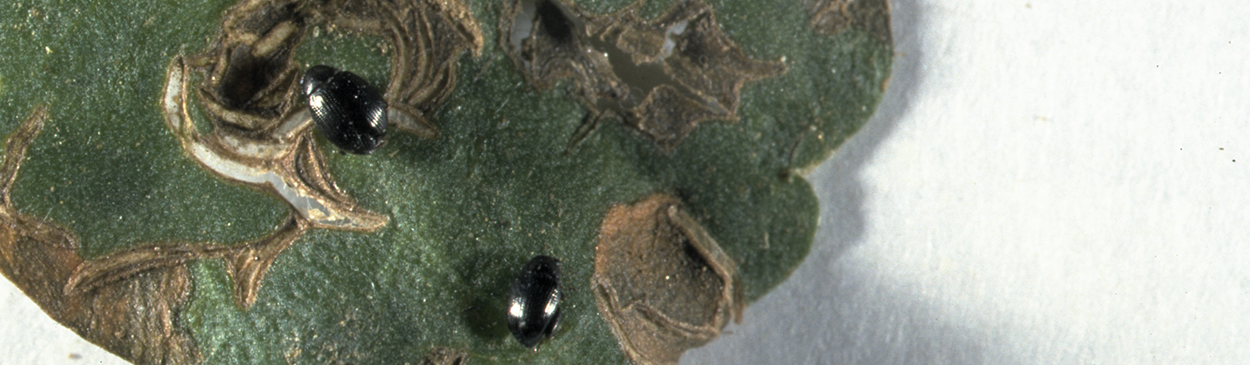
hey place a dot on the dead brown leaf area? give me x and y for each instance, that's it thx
(831, 17)
(662, 77)
(134, 319)
(661, 282)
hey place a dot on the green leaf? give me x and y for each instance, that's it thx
(466, 210)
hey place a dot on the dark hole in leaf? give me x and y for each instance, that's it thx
(692, 255)
(554, 22)
(246, 76)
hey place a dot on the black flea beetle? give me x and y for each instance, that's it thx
(350, 113)
(534, 301)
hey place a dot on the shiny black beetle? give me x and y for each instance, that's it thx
(534, 301)
(350, 113)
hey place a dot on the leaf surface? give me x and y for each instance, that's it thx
(466, 210)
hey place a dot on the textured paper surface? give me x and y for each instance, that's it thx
(1045, 182)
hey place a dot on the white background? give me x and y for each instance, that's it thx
(1044, 183)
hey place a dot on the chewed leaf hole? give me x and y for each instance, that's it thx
(661, 77)
(554, 22)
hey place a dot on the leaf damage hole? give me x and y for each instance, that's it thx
(641, 78)
(260, 137)
(661, 77)
(661, 282)
(557, 25)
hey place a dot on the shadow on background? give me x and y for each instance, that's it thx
(831, 311)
